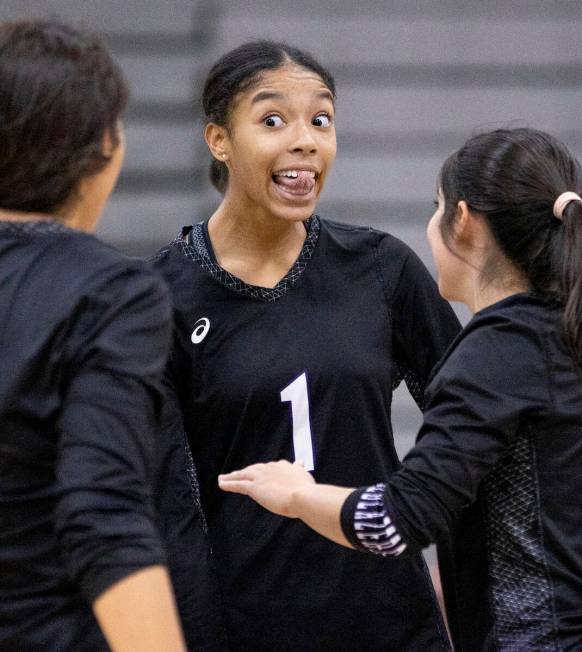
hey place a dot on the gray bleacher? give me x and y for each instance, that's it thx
(415, 78)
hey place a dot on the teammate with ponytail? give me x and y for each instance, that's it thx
(496, 476)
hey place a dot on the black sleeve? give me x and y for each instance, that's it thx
(424, 324)
(117, 351)
(494, 379)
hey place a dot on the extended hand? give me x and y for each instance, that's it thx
(272, 485)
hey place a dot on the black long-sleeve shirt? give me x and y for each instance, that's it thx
(84, 335)
(496, 480)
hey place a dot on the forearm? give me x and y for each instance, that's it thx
(319, 506)
(138, 613)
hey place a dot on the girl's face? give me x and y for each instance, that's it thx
(281, 143)
(451, 269)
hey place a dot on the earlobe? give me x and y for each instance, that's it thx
(216, 138)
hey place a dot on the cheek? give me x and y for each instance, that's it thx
(329, 148)
(248, 165)
(327, 154)
(444, 260)
(433, 236)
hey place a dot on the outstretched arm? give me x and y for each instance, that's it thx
(289, 490)
(473, 419)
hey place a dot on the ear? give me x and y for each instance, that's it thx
(470, 227)
(217, 139)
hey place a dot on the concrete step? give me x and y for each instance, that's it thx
(160, 147)
(128, 17)
(382, 38)
(141, 224)
(459, 110)
(525, 10)
(158, 77)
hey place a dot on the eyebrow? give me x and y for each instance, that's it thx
(263, 96)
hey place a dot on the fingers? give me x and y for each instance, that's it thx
(235, 486)
(252, 471)
(248, 473)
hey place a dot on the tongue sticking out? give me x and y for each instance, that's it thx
(300, 185)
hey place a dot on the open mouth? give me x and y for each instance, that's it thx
(299, 183)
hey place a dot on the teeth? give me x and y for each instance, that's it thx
(293, 174)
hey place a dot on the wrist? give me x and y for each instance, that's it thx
(299, 498)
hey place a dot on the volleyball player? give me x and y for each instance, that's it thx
(496, 475)
(291, 332)
(84, 340)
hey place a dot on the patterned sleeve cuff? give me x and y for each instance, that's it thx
(367, 525)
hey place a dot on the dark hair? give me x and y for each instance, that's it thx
(236, 72)
(60, 95)
(513, 177)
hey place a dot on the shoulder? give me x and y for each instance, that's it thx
(398, 267)
(94, 271)
(169, 261)
(356, 236)
(517, 321)
(390, 252)
(172, 262)
(502, 346)
(88, 255)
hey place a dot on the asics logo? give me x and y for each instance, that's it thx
(200, 330)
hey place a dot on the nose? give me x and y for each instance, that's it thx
(304, 139)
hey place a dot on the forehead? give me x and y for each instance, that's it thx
(285, 83)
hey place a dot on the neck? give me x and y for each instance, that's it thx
(24, 216)
(233, 227)
(256, 247)
(72, 219)
(483, 296)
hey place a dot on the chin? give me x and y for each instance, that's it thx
(446, 292)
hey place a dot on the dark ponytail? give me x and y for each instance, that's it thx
(569, 254)
(236, 72)
(512, 177)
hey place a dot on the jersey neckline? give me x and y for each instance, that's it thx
(25, 227)
(193, 241)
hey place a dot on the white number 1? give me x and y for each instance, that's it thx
(296, 393)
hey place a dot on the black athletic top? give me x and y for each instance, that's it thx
(84, 336)
(305, 370)
(496, 480)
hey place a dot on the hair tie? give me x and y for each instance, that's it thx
(563, 200)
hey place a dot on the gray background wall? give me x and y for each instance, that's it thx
(415, 79)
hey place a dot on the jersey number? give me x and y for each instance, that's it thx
(296, 394)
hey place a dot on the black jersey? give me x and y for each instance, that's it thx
(305, 370)
(84, 340)
(496, 479)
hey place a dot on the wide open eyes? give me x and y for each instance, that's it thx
(273, 121)
(322, 120)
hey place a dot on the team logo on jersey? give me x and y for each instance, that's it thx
(200, 330)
